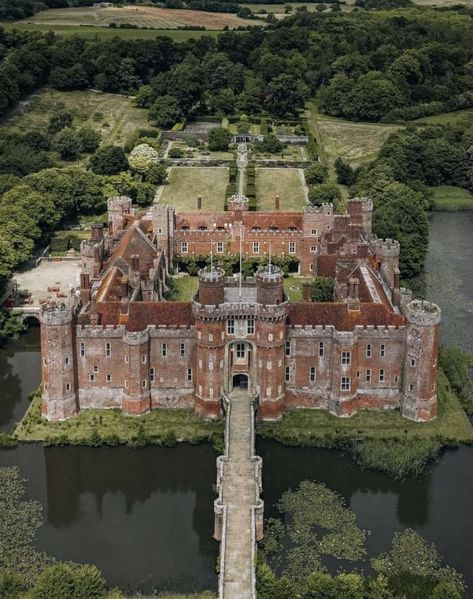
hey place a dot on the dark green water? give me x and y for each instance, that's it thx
(145, 516)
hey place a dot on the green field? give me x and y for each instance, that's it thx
(186, 287)
(113, 115)
(185, 184)
(293, 287)
(285, 182)
(448, 118)
(149, 17)
(357, 143)
(448, 198)
(178, 35)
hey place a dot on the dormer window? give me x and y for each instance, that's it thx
(292, 229)
(184, 228)
(256, 229)
(202, 228)
(274, 228)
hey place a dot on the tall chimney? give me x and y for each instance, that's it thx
(135, 263)
(84, 288)
(97, 232)
(396, 291)
(307, 291)
(199, 202)
(276, 202)
(353, 300)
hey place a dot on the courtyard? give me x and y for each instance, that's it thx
(51, 280)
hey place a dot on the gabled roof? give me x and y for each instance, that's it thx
(110, 285)
(134, 241)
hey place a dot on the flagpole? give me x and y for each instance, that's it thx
(239, 285)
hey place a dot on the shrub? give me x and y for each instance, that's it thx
(55, 581)
(11, 585)
(325, 193)
(176, 153)
(142, 157)
(219, 139)
(316, 173)
(89, 138)
(89, 583)
(68, 143)
(109, 160)
(322, 289)
(156, 174)
(345, 173)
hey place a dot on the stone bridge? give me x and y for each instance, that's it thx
(238, 508)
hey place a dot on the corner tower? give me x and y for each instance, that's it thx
(420, 362)
(59, 400)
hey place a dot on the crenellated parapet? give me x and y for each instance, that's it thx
(422, 313)
(55, 315)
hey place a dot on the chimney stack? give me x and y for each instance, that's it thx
(199, 202)
(277, 202)
(97, 232)
(135, 263)
(84, 288)
(353, 300)
(306, 291)
(396, 291)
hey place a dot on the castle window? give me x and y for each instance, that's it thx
(108, 350)
(160, 231)
(358, 374)
(381, 375)
(382, 350)
(411, 387)
(219, 247)
(67, 361)
(231, 326)
(211, 392)
(268, 391)
(255, 247)
(270, 336)
(313, 231)
(211, 366)
(183, 349)
(396, 379)
(312, 374)
(152, 375)
(413, 362)
(321, 349)
(144, 383)
(143, 359)
(126, 383)
(82, 350)
(240, 350)
(287, 374)
(433, 386)
(368, 376)
(369, 350)
(345, 383)
(184, 247)
(45, 386)
(45, 361)
(96, 369)
(250, 326)
(92, 378)
(109, 378)
(292, 247)
(287, 348)
(313, 249)
(127, 359)
(68, 387)
(434, 363)
(311, 267)
(269, 365)
(346, 357)
(211, 337)
(164, 349)
(200, 389)
(189, 375)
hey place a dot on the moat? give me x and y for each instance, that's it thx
(145, 516)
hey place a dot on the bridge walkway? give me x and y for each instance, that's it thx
(240, 490)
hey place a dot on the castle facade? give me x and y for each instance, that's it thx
(122, 346)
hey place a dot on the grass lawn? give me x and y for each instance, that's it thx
(186, 183)
(157, 426)
(283, 181)
(311, 427)
(113, 115)
(186, 287)
(448, 198)
(289, 153)
(445, 118)
(178, 35)
(293, 287)
(141, 16)
(202, 153)
(357, 143)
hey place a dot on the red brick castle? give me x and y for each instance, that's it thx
(123, 346)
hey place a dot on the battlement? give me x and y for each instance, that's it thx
(55, 314)
(123, 203)
(87, 248)
(217, 275)
(136, 337)
(386, 248)
(322, 209)
(366, 204)
(422, 313)
(238, 202)
(269, 274)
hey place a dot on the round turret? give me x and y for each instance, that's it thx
(211, 286)
(422, 313)
(269, 280)
(387, 248)
(55, 314)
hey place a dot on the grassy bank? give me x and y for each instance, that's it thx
(112, 427)
(380, 440)
(448, 198)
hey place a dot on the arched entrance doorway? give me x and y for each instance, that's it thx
(239, 364)
(240, 381)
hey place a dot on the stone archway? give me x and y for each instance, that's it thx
(239, 370)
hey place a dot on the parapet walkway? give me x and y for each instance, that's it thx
(239, 509)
